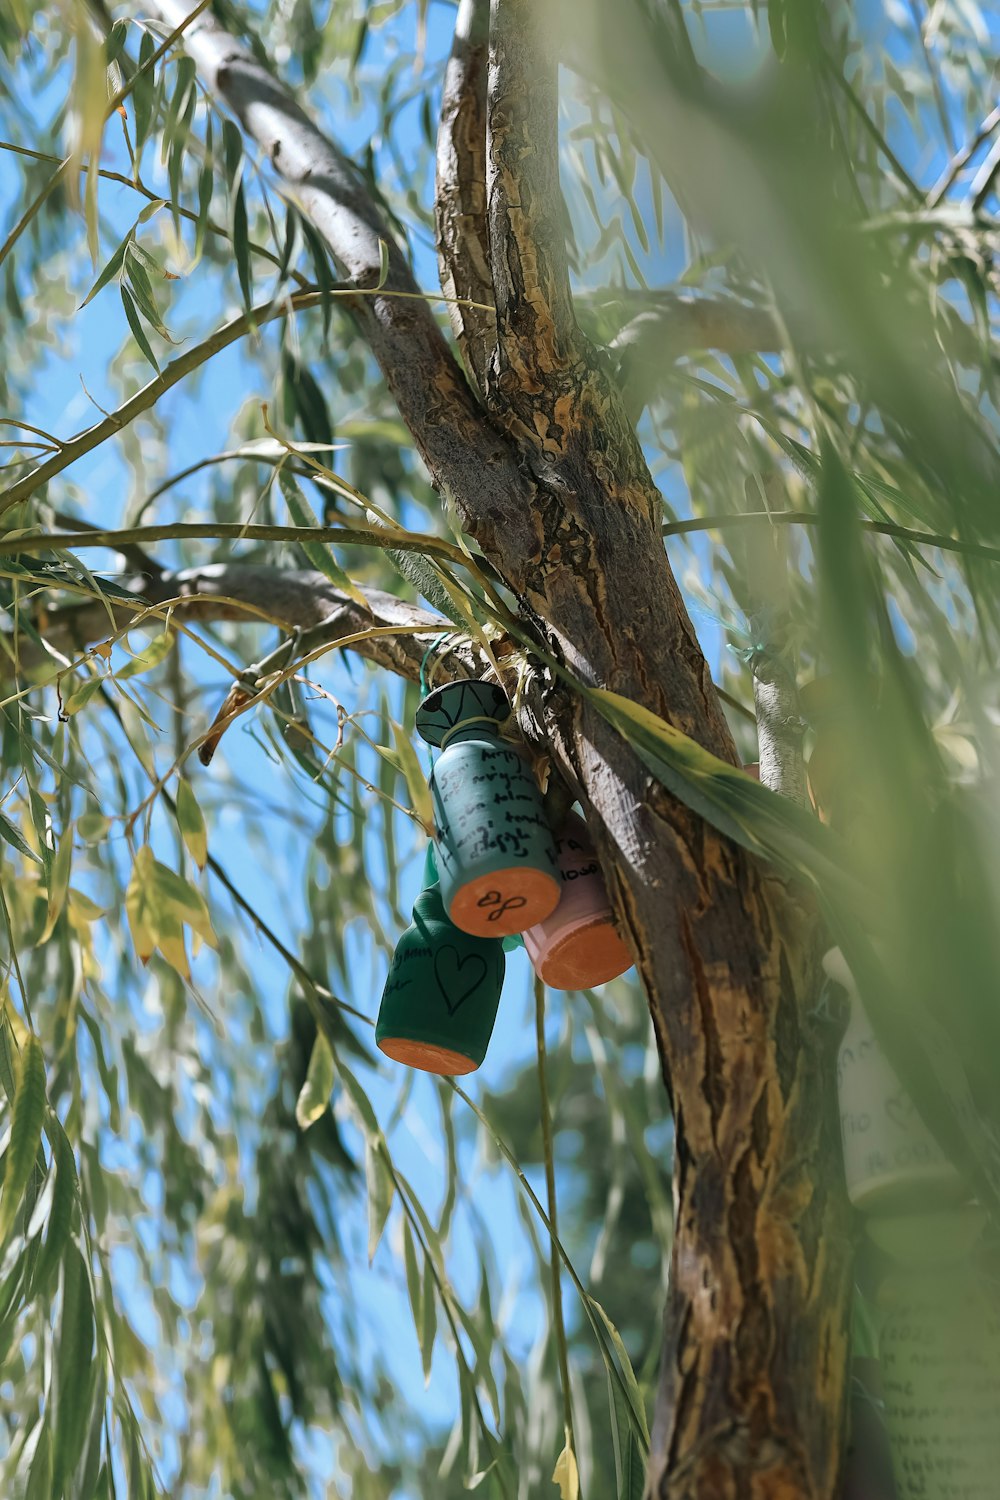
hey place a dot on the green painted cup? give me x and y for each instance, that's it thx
(441, 994)
(495, 852)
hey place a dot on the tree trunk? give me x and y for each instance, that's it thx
(547, 475)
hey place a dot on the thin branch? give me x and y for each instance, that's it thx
(349, 536)
(558, 1325)
(535, 321)
(961, 159)
(807, 518)
(982, 183)
(460, 188)
(290, 598)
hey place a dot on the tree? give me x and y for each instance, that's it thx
(823, 384)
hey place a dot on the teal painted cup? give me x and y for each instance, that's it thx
(441, 994)
(495, 852)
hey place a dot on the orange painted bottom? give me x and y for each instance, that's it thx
(506, 902)
(586, 957)
(426, 1056)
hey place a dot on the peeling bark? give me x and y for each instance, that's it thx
(460, 188)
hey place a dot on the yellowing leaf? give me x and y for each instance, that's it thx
(159, 904)
(25, 1134)
(192, 824)
(82, 906)
(138, 906)
(81, 696)
(566, 1475)
(416, 781)
(315, 1093)
(155, 652)
(59, 882)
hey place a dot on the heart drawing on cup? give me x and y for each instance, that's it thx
(458, 977)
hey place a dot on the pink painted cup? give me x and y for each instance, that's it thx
(578, 946)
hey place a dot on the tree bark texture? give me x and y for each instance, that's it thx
(548, 476)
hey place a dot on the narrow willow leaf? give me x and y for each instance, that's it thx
(111, 270)
(383, 265)
(314, 1095)
(565, 1474)
(413, 1282)
(81, 696)
(319, 554)
(39, 1486)
(12, 836)
(191, 823)
(75, 1369)
(381, 1190)
(135, 324)
(25, 1135)
(64, 1200)
(59, 882)
(637, 1407)
(769, 826)
(241, 247)
(428, 1321)
(416, 781)
(144, 91)
(155, 653)
(421, 573)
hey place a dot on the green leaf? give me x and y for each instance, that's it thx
(241, 247)
(318, 553)
(12, 836)
(110, 270)
(75, 1370)
(381, 1190)
(191, 823)
(416, 782)
(637, 1407)
(135, 323)
(144, 90)
(770, 826)
(64, 1199)
(413, 1282)
(314, 1095)
(428, 1321)
(25, 1135)
(81, 696)
(156, 652)
(58, 882)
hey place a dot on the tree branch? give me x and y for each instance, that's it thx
(460, 188)
(293, 599)
(535, 321)
(466, 458)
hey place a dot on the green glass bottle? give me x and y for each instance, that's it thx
(441, 994)
(495, 851)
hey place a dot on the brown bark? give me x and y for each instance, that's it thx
(554, 487)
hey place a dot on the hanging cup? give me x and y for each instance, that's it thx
(578, 946)
(441, 994)
(494, 849)
(890, 1157)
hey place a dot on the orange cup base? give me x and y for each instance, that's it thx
(472, 912)
(587, 957)
(427, 1056)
